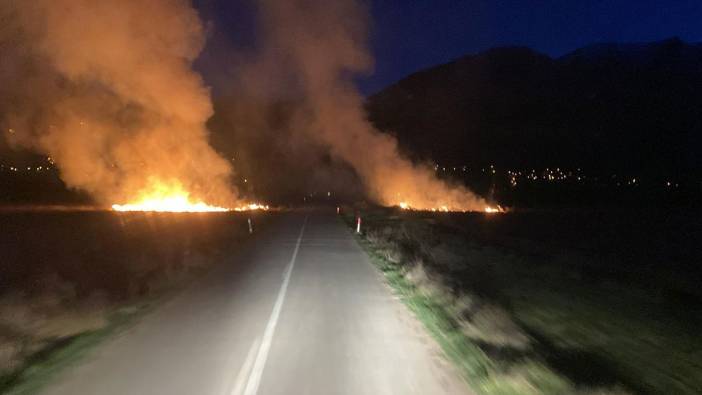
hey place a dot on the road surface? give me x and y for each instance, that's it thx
(298, 310)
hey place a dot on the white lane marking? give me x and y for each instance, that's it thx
(245, 368)
(257, 371)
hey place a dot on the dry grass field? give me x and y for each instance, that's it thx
(552, 302)
(69, 278)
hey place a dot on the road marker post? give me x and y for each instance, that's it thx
(250, 226)
(358, 224)
(338, 210)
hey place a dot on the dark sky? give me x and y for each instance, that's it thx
(408, 35)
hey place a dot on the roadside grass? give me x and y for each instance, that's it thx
(61, 353)
(436, 318)
(601, 340)
(520, 323)
(53, 316)
(485, 375)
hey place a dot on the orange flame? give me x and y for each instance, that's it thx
(446, 209)
(172, 197)
(252, 207)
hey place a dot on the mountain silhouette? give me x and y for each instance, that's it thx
(611, 108)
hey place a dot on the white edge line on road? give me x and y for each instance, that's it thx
(260, 363)
(245, 368)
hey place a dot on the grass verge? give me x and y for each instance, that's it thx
(483, 374)
(38, 370)
(494, 333)
(83, 286)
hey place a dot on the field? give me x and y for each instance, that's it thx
(67, 279)
(552, 301)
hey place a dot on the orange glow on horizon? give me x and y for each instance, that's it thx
(172, 197)
(446, 209)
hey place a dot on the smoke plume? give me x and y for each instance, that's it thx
(313, 48)
(106, 89)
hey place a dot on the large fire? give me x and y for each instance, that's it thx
(172, 197)
(446, 209)
(175, 203)
(251, 207)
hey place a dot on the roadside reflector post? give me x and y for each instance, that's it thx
(250, 226)
(358, 224)
(338, 209)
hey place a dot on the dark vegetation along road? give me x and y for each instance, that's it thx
(559, 302)
(296, 310)
(596, 301)
(69, 279)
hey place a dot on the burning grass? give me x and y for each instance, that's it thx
(173, 198)
(181, 204)
(521, 312)
(489, 209)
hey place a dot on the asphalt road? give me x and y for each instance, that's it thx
(298, 310)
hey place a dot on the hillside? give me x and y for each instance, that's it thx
(626, 108)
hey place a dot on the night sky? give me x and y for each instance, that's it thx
(408, 35)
